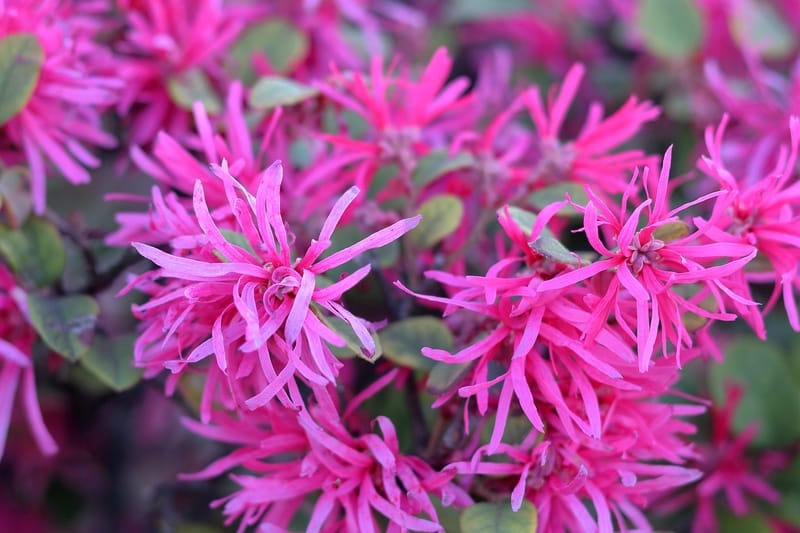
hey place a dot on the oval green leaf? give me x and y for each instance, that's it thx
(403, 341)
(441, 215)
(193, 86)
(283, 45)
(552, 249)
(35, 252)
(471, 10)
(444, 376)
(525, 221)
(273, 91)
(556, 193)
(111, 362)
(437, 163)
(671, 231)
(771, 398)
(64, 324)
(21, 59)
(483, 517)
(759, 28)
(671, 29)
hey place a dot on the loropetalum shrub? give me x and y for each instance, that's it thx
(400, 266)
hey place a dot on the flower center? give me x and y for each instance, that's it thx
(556, 159)
(397, 145)
(643, 253)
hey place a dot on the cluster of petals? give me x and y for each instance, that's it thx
(167, 43)
(648, 255)
(290, 457)
(760, 209)
(589, 484)
(240, 294)
(726, 468)
(586, 159)
(16, 365)
(53, 132)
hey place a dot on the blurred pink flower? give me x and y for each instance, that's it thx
(293, 456)
(761, 211)
(169, 42)
(63, 115)
(16, 365)
(726, 470)
(587, 158)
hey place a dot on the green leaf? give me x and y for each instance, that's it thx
(483, 517)
(552, 249)
(111, 362)
(191, 87)
(381, 178)
(403, 341)
(21, 58)
(447, 514)
(788, 508)
(15, 198)
(752, 523)
(352, 346)
(438, 163)
(771, 398)
(301, 153)
(441, 215)
(445, 376)
(283, 44)
(64, 323)
(671, 29)
(556, 193)
(671, 231)
(525, 221)
(273, 91)
(758, 27)
(471, 10)
(35, 251)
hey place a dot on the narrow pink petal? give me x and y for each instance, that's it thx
(302, 300)
(376, 240)
(571, 278)
(9, 378)
(194, 270)
(13, 354)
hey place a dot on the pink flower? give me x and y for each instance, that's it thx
(761, 210)
(727, 471)
(529, 341)
(292, 457)
(170, 42)
(638, 273)
(587, 159)
(16, 365)
(173, 165)
(582, 483)
(62, 116)
(403, 118)
(264, 308)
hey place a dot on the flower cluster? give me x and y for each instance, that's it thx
(406, 260)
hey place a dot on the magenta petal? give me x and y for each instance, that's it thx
(376, 240)
(302, 300)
